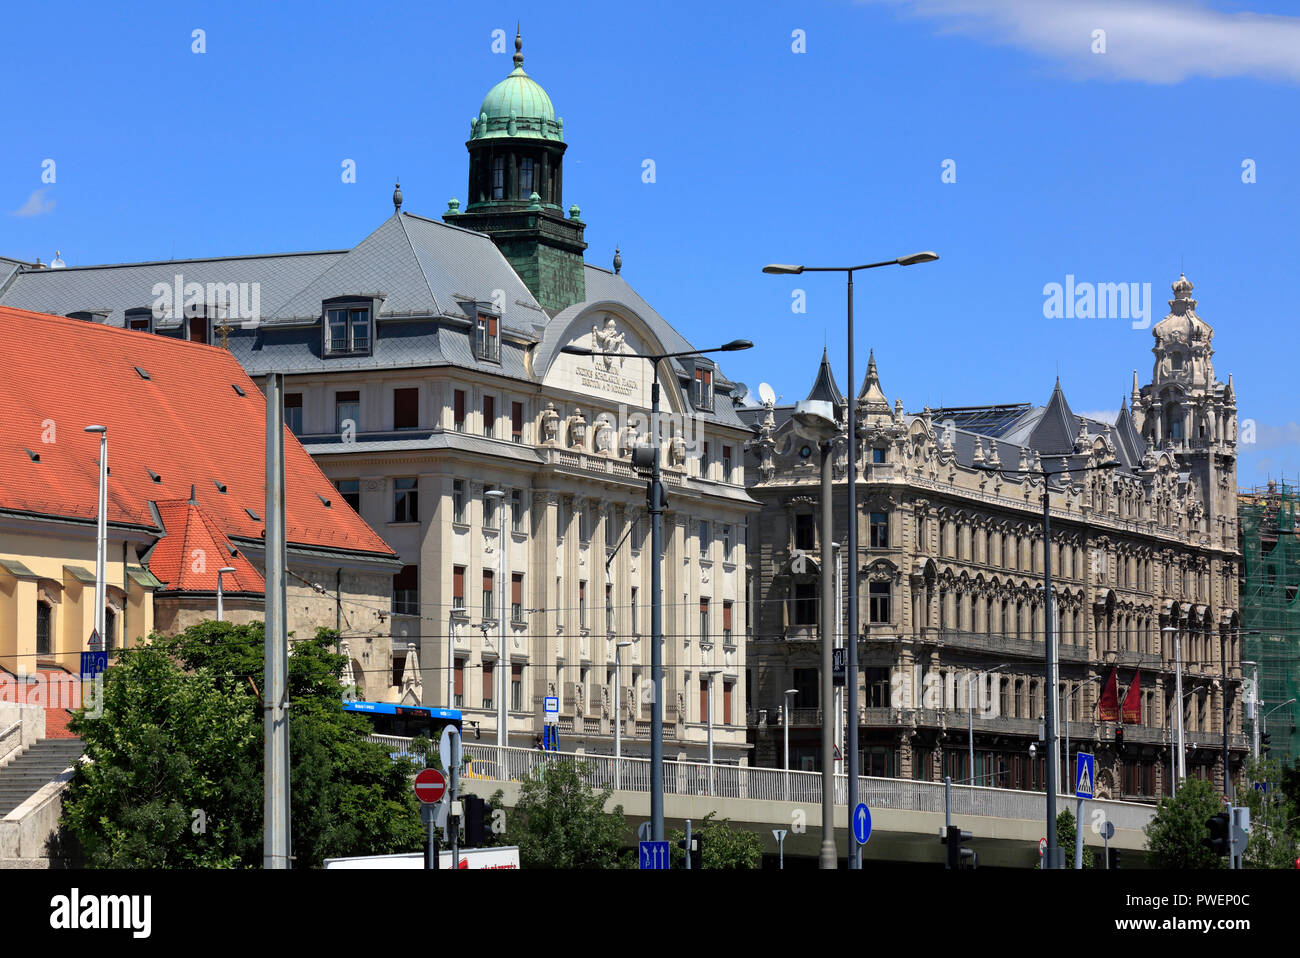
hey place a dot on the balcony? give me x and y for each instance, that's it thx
(1002, 646)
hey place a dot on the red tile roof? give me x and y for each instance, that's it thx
(188, 557)
(186, 422)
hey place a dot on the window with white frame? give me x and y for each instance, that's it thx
(347, 330)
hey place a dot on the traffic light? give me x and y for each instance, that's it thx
(475, 822)
(1218, 840)
(1119, 739)
(1112, 858)
(953, 838)
(696, 850)
(1263, 742)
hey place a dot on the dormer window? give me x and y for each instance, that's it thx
(487, 338)
(140, 319)
(347, 330)
(703, 388)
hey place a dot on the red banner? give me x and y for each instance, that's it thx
(1108, 705)
(1132, 710)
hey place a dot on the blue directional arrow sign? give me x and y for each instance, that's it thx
(1085, 775)
(654, 855)
(862, 823)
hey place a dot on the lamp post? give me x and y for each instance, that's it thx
(498, 496)
(1049, 637)
(1181, 772)
(814, 419)
(970, 716)
(785, 715)
(709, 674)
(101, 533)
(647, 458)
(851, 680)
(225, 570)
(618, 716)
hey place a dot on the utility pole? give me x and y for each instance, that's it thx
(828, 689)
(275, 707)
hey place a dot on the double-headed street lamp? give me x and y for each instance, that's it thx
(1049, 636)
(855, 859)
(648, 457)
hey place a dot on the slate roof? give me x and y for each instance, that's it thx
(186, 425)
(427, 275)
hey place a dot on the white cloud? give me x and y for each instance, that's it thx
(1271, 437)
(1154, 41)
(36, 204)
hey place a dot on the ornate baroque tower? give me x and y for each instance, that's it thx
(516, 179)
(1186, 412)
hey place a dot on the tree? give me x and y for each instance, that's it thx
(724, 846)
(1175, 836)
(1065, 837)
(171, 762)
(560, 822)
(182, 731)
(1272, 842)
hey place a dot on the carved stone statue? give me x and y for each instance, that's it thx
(609, 340)
(604, 435)
(577, 429)
(550, 424)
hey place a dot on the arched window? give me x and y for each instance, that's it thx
(44, 631)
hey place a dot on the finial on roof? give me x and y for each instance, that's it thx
(397, 197)
(519, 46)
(618, 261)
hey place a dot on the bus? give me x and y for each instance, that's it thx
(406, 721)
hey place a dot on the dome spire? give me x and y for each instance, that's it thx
(519, 47)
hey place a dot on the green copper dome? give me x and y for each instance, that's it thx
(517, 106)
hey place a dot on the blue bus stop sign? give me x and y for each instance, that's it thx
(862, 823)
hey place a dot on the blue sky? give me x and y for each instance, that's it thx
(1122, 166)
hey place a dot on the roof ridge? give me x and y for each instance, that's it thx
(416, 256)
(32, 271)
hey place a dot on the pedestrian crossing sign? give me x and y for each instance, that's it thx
(1086, 775)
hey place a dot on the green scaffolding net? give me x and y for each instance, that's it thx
(1270, 604)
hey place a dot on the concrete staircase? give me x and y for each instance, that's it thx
(35, 767)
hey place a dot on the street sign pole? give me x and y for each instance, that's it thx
(779, 834)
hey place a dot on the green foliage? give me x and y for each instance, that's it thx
(169, 744)
(1175, 837)
(1066, 834)
(560, 822)
(724, 846)
(1273, 840)
(182, 730)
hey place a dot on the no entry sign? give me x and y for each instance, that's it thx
(430, 786)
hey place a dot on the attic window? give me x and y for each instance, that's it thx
(33, 456)
(347, 330)
(235, 387)
(153, 475)
(325, 501)
(221, 486)
(143, 373)
(703, 388)
(487, 338)
(253, 514)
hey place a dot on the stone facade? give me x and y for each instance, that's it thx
(950, 578)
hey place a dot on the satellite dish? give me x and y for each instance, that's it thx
(766, 394)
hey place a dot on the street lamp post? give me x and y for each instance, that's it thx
(970, 716)
(643, 458)
(101, 533)
(709, 674)
(1181, 772)
(785, 716)
(618, 715)
(814, 419)
(225, 570)
(851, 680)
(1049, 637)
(498, 496)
